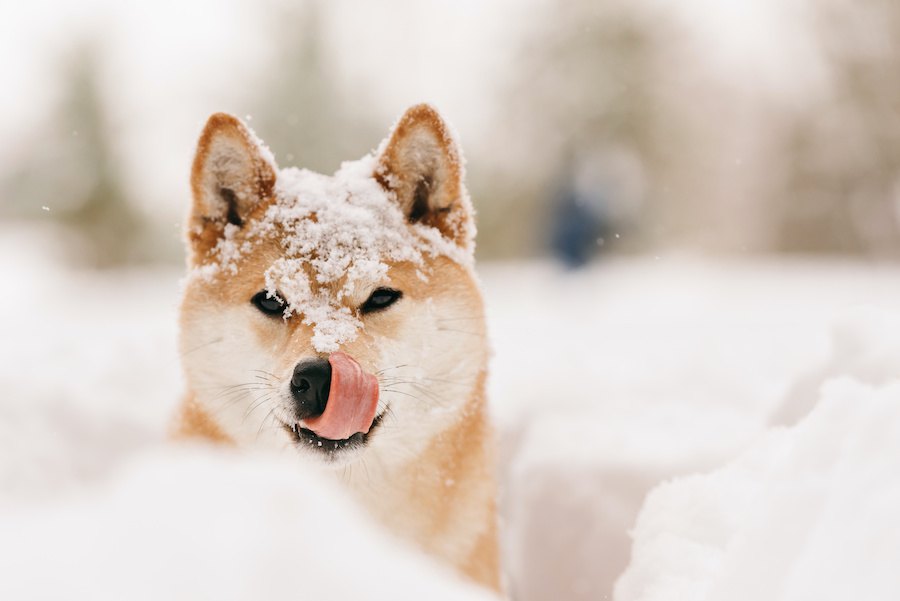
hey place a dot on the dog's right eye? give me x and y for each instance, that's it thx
(270, 305)
(382, 298)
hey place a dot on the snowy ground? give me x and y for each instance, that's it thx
(605, 383)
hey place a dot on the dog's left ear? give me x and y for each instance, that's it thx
(232, 175)
(422, 165)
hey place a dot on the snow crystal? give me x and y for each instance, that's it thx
(338, 235)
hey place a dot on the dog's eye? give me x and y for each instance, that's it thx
(270, 305)
(382, 298)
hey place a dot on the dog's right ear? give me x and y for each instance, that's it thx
(231, 176)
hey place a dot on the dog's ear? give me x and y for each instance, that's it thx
(422, 166)
(231, 176)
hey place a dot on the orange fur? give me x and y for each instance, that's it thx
(193, 422)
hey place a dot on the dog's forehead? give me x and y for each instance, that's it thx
(341, 228)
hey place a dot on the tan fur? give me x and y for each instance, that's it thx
(440, 494)
(192, 421)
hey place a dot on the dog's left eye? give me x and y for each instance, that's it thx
(270, 305)
(382, 298)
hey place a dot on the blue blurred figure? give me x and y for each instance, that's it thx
(578, 221)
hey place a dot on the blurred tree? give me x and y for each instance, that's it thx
(69, 173)
(842, 182)
(304, 112)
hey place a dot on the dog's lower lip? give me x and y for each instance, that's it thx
(307, 437)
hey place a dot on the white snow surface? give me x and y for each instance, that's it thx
(639, 371)
(338, 231)
(806, 513)
(670, 375)
(189, 523)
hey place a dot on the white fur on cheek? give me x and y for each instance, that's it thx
(430, 372)
(228, 376)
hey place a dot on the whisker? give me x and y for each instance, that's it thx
(204, 345)
(232, 386)
(381, 371)
(264, 420)
(405, 394)
(265, 373)
(365, 467)
(426, 392)
(431, 395)
(394, 380)
(466, 318)
(245, 386)
(256, 404)
(476, 334)
(419, 381)
(233, 397)
(230, 398)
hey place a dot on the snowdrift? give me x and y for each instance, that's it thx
(671, 368)
(201, 524)
(806, 513)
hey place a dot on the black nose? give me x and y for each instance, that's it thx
(309, 386)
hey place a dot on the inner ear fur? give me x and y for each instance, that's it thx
(230, 178)
(422, 166)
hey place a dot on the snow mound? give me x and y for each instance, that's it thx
(196, 524)
(806, 513)
(576, 482)
(865, 344)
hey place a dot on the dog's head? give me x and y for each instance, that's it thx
(337, 315)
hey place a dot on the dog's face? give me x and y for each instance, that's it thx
(337, 316)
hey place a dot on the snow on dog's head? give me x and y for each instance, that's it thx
(287, 265)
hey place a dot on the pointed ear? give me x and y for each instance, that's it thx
(422, 165)
(232, 175)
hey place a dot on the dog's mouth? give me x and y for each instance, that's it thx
(327, 446)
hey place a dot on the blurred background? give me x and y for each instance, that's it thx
(693, 206)
(626, 127)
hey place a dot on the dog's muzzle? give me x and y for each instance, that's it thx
(334, 398)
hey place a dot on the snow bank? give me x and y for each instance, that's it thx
(576, 482)
(806, 513)
(641, 371)
(864, 344)
(196, 524)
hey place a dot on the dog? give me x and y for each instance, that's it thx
(338, 319)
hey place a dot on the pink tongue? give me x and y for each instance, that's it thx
(352, 400)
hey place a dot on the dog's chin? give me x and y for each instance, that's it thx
(329, 450)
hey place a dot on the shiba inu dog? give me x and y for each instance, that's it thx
(338, 319)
